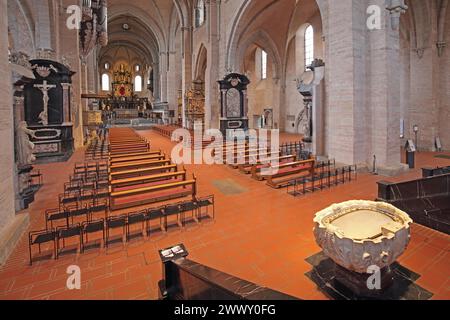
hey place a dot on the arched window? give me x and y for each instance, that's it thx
(309, 46)
(138, 84)
(200, 13)
(263, 65)
(105, 82)
(137, 68)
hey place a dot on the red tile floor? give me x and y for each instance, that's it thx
(261, 235)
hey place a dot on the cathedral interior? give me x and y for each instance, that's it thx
(225, 150)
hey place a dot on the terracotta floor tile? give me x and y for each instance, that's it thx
(262, 234)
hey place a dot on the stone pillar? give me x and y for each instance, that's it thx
(156, 82)
(346, 134)
(384, 93)
(163, 62)
(186, 66)
(67, 117)
(6, 126)
(11, 225)
(212, 108)
(70, 49)
(172, 88)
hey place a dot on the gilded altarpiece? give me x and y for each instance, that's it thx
(195, 108)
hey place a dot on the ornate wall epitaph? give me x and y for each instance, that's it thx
(234, 104)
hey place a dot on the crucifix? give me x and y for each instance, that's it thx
(44, 87)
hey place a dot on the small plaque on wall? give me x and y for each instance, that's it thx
(47, 148)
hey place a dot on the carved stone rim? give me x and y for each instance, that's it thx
(323, 219)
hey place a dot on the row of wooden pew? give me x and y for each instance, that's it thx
(168, 130)
(140, 176)
(264, 164)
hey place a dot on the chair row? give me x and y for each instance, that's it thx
(321, 180)
(200, 208)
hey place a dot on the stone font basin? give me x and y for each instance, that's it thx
(359, 234)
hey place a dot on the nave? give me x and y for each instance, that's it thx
(266, 240)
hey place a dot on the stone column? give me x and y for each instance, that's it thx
(384, 93)
(346, 46)
(67, 117)
(172, 89)
(186, 65)
(212, 73)
(70, 49)
(11, 225)
(163, 62)
(6, 126)
(156, 82)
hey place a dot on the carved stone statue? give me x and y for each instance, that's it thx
(25, 146)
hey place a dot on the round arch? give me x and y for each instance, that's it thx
(239, 25)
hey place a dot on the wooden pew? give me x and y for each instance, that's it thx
(143, 172)
(242, 153)
(287, 172)
(147, 181)
(139, 165)
(115, 156)
(260, 162)
(130, 149)
(155, 194)
(137, 158)
(254, 158)
(121, 146)
(256, 168)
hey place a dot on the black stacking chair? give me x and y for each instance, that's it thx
(170, 211)
(98, 206)
(67, 233)
(91, 227)
(54, 215)
(72, 187)
(80, 168)
(66, 200)
(113, 223)
(78, 210)
(154, 214)
(206, 203)
(189, 206)
(134, 219)
(39, 238)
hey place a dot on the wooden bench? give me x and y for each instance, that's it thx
(241, 153)
(137, 158)
(138, 165)
(147, 181)
(250, 166)
(256, 168)
(121, 146)
(143, 172)
(132, 149)
(285, 173)
(115, 156)
(254, 158)
(155, 194)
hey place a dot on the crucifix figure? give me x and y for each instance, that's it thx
(44, 87)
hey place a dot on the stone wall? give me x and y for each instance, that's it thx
(444, 80)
